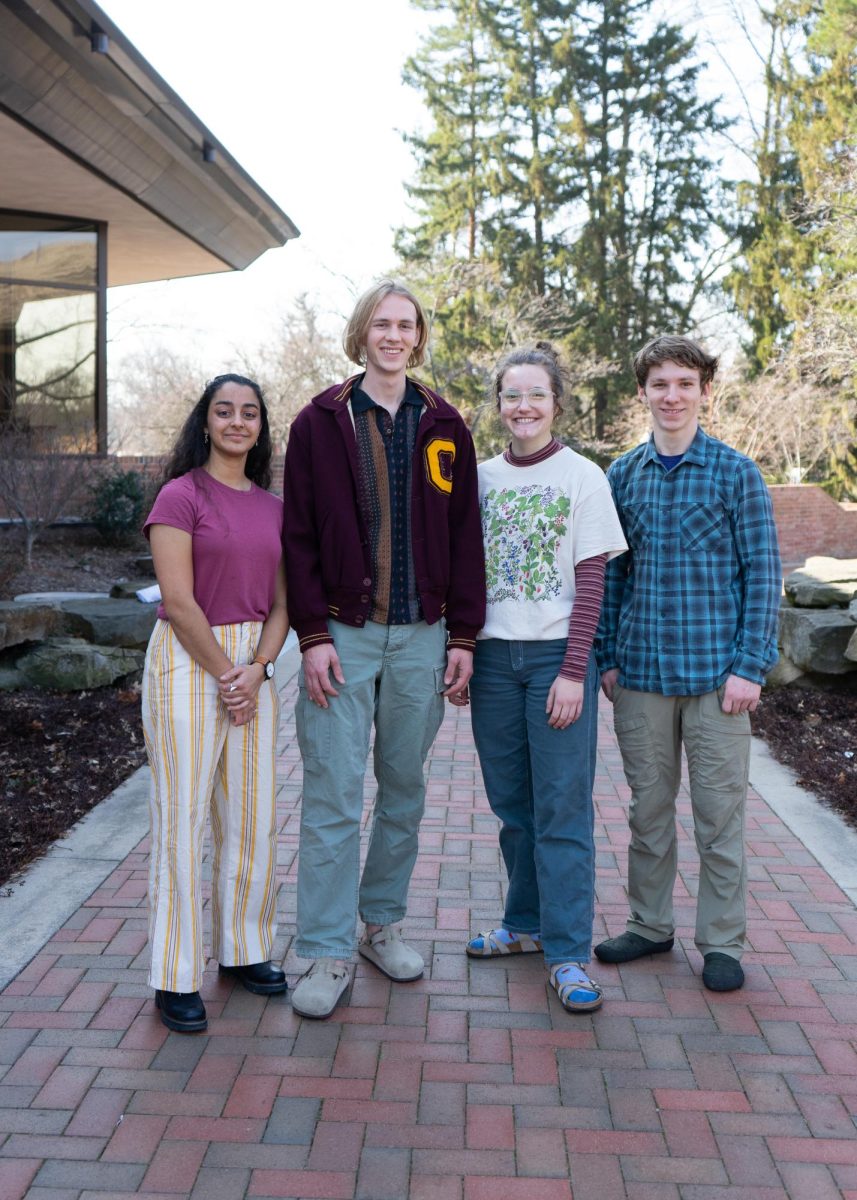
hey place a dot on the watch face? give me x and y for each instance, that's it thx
(269, 670)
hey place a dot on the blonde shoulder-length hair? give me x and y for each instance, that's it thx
(354, 338)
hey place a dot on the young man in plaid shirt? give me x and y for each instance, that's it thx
(688, 631)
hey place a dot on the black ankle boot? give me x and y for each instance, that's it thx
(261, 978)
(182, 1011)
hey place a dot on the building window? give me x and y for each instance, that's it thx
(52, 328)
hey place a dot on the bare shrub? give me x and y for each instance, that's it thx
(45, 471)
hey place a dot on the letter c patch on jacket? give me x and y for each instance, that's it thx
(439, 456)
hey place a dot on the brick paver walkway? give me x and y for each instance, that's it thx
(472, 1084)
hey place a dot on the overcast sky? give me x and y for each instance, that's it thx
(308, 99)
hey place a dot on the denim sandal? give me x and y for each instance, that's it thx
(576, 991)
(493, 943)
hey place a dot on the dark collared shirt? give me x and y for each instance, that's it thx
(696, 598)
(385, 450)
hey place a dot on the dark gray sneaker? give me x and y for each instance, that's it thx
(628, 946)
(721, 972)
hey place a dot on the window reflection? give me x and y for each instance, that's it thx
(48, 326)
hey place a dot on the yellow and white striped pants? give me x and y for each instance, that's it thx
(197, 756)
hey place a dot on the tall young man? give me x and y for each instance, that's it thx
(688, 631)
(386, 590)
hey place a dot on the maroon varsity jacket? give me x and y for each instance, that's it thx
(328, 572)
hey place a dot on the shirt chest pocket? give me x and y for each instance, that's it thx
(702, 526)
(640, 523)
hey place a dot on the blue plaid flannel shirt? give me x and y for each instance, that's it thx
(696, 597)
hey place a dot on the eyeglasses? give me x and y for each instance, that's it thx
(512, 398)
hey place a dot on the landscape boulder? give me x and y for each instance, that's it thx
(26, 623)
(806, 592)
(11, 680)
(783, 672)
(56, 598)
(111, 622)
(816, 640)
(851, 648)
(126, 589)
(73, 665)
(822, 582)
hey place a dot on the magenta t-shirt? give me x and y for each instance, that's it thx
(236, 544)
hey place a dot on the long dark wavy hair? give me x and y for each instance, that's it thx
(192, 450)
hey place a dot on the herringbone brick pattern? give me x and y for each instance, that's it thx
(471, 1084)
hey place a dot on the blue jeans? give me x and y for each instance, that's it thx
(539, 783)
(393, 677)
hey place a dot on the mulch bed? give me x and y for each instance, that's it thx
(73, 560)
(60, 753)
(815, 733)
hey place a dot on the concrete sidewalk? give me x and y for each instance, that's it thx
(471, 1084)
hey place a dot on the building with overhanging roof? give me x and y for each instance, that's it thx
(106, 177)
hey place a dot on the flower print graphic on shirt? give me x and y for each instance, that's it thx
(522, 528)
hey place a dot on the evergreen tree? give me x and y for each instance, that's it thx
(824, 127)
(534, 180)
(637, 129)
(454, 189)
(769, 281)
(565, 158)
(455, 160)
(809, 128)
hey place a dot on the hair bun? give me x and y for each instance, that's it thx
(547, 348)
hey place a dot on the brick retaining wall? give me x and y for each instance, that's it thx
(150, 466)
(811, 522)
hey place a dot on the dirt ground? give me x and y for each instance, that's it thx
(815, 733)
(60, 753)
(64, 560)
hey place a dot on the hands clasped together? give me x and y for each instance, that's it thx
(238, 689)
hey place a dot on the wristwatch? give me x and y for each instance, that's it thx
(266, 665)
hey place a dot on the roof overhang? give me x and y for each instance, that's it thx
(100, 136)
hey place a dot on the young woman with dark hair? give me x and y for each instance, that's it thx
(209, 701)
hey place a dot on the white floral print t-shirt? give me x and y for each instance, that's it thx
(538, 522)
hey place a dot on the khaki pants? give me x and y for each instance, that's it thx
(650, 729)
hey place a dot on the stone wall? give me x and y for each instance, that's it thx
(818, 621)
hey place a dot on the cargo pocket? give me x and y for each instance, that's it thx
(635, 745)
(312, 725)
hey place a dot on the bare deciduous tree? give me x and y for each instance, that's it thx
(298, 360)
(154, 392)
(157, 386)
(43, 471)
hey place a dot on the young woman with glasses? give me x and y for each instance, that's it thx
(549, 527)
